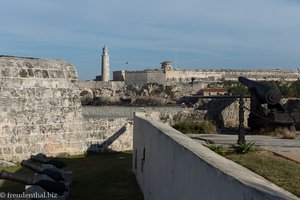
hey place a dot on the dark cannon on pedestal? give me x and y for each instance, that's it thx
(266, 110)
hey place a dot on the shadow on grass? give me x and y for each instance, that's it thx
(96, 176)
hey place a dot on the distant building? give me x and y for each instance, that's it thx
(119, 75)
(212, 91)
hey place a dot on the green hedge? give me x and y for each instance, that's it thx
(195, 127)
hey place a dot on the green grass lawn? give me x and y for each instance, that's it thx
(280, 171)
(96, 176)
(108, 176)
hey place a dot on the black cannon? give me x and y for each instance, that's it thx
(266, 110)
(42, 158)
(41, 170)
(262, 92)
(47, 185)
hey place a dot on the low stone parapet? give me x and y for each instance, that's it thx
(170, 165)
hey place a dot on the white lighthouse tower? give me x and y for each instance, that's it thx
(105, 65)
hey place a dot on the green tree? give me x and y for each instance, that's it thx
(229, 84)
(294, 89)
(238, 89)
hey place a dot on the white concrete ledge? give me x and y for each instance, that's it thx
(170, 165)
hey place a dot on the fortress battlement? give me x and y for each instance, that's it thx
(167, 74)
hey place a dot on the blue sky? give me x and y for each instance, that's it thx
(238, 34)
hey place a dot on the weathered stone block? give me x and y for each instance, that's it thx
(7, 150)
(53, 138)
(36, 139)
(95, 134)
(13, 139)
(53, 102)
(88, 126)
(25, 130)
(30, 73)
(23, 73)
(27, 64)
(11, 82)
(34, 149)
(19, 150)
(54, 148)
(4, 72)
(58, 128)
(47, 93)
(9, 72)
(3, 141)
(45, 74)
(38, 73)
(25, 140)
(71, 74)
(5, 102)
(76, 146)
(56, 74)
(74, 127)
(45, 128)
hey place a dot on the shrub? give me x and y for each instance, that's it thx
(242, 148)
(267, 131)
(168, 90)
(217, 149)
(294, 89)
(285, 133)
(195, 127)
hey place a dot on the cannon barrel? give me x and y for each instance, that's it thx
(264, 93)
(53, 174)
(45, 160)
(18, 178)
(49, 186)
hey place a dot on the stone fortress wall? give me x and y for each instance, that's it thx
(149, 76)
(40, 112)
(260, 75)
(199, 75)
(173, 76)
